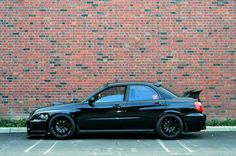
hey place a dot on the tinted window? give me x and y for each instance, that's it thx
(166, 93)
(114, 94)
(139, 93)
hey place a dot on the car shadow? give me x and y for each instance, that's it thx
(127, 136)
(116, 136)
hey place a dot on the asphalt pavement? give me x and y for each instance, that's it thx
(209, 143)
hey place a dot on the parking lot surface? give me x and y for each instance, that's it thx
(202, 143)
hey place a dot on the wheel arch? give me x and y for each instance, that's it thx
(63, 113)
(175, 112)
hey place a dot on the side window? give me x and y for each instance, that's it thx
(140, 93)
(114, 94)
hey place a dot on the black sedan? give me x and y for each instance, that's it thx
(121, 107)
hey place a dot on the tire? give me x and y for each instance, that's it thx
(62, 126)
(169, 126)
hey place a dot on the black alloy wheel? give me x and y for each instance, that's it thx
(62, 126)
(169, 126)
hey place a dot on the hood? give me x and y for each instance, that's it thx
(61, 108)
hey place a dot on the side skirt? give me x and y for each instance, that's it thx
(115, 131)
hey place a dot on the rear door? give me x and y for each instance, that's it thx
(142, 107)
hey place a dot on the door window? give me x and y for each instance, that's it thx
(141, 93)
(114, 94)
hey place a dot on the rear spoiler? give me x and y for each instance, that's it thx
(193, 94)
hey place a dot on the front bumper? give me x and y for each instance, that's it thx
(36, 127)
(195, 122)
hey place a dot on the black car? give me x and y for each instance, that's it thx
(121, 107)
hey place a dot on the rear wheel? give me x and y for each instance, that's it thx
(62, 126)
(169, 126)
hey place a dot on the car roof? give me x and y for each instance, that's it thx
(130, 83)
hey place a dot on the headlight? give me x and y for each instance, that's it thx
(40, 116)
(43, 116)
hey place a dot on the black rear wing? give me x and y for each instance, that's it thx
(193, 94)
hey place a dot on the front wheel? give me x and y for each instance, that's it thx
(169, 126)
(62, 126)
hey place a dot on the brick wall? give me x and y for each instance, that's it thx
(52, 50)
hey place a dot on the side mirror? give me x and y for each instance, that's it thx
(91, 101)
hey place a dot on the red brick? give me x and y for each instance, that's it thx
(186, 44)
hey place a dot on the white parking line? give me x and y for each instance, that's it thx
(185, 146)
(179, 153)
(176, 153)
(48, 150)
(77, 141)
(28, 149)
(163, 146)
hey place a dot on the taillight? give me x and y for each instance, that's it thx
(198, 106)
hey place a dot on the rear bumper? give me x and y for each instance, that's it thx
(195, 122)
(36, 127)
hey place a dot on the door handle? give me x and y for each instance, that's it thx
(116, 106)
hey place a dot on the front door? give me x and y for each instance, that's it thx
(106, 110)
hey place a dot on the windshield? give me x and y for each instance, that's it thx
(92, 94)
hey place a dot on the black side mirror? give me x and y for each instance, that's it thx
(91, 101)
